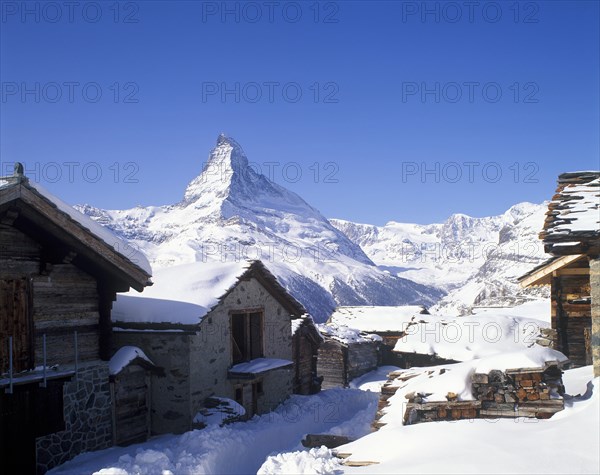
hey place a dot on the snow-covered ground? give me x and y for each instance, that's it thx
(569, 442)
(270, 444)
(240, 447)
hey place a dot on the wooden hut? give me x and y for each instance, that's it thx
(131, 390)
(306, 340)
(345, 354)
(59, 275)
(388, 322)
(571, 234)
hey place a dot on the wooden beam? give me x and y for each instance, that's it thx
(9, 217)
(542, 276)
(572, 271)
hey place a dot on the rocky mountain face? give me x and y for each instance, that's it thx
(230, 212)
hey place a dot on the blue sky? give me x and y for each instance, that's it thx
(409, 111)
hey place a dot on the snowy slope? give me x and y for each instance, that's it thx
(476, 260)
(231, 213)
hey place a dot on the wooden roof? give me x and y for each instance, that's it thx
(542, 274)
(572, 224)
(34, 213)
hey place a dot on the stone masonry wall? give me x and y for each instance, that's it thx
(88, 418)
(211, 352)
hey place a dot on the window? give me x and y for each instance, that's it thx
(246, 336)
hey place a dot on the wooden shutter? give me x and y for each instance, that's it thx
(256, 335)
(238, 337)
(16, 321)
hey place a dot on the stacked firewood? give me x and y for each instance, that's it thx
(527, 392)
(524, 392)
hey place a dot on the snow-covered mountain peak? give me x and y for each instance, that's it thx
(227, 165)
(231, 212)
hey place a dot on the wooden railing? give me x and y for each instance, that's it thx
(33, 375)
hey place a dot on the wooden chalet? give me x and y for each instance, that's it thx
(571, 234)
(228, 337)
(59, 275)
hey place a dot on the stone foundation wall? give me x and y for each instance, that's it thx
(88, 418)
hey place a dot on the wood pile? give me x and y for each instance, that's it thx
(527, 392)
(524, 392)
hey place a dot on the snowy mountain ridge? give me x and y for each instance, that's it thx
(475, 260)
(230, 213)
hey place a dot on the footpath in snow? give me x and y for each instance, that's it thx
(239, 448)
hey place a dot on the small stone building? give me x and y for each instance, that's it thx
(59, 275)
(571, 234)
(388, 322)
(219, 330)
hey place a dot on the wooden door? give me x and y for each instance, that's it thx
(132, 405)
(16, 321)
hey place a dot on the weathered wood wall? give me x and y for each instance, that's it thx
(331, 364)
(64, 299)
(304, 356)
(571, 315)
(362, 358)
(339, 364)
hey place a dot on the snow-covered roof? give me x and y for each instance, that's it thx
(259, 365)
(117, 244)
(309, 325)
(376, 318)
(574, 213)
(490, 333)
(185, 294)
(345, 334)
(124, 356)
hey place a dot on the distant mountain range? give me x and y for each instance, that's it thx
(476, 261)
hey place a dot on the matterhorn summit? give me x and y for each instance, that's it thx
(226, 165)
(230, 212)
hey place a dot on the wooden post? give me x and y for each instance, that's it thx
(562, 323)
(44, 383)
(76, 356)
(10, 365)
(106, 298)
